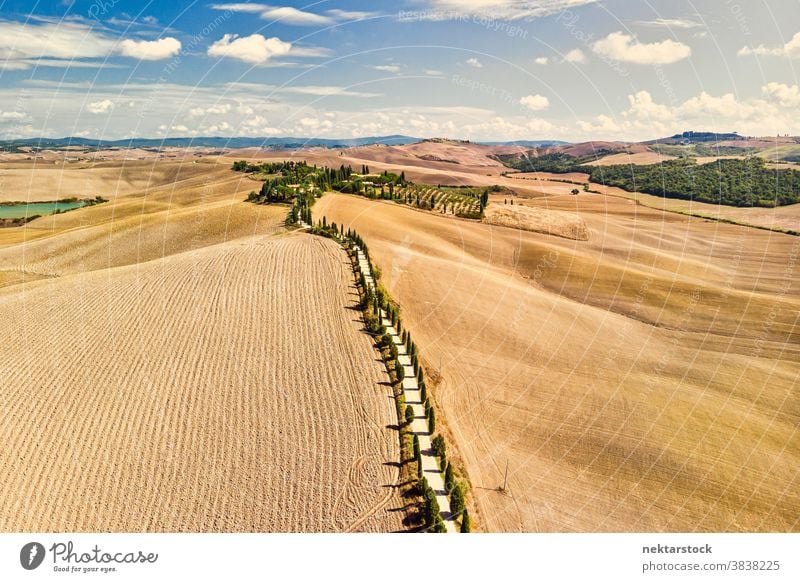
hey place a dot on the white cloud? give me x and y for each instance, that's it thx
(289, 15)
(100, 107)
(433, 72)
(324, 91)
(219, 109)
(293, 16)
(150, 50)
(493, 9)
(535, 102)
(387, 68)
(65, 40)
(670, 23)
(540, 60)
(218, 128)
(643, 107)
(13, 115)
(59, 44)
(473, 62)
(575, 56)
(725, 106)
(601, 125)
(350, 14)
(66, 64)
(241, 7)
(253, 49)
(624, 47)
(791, 49)
(216, 109)
(14, 65)
(785, 95)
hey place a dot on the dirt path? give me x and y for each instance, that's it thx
(413, 397)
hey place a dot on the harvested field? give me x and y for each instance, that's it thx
(630, 380)
(554, 222)
(625, 158)
(227, 388)
(37, 181)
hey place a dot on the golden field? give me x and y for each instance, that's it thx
(643, 380)
(636, 369)
(173, 360)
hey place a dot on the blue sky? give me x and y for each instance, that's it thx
(470, 69)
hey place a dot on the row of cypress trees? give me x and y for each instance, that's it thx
(373, 302)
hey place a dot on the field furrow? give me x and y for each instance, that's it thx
(222, 389)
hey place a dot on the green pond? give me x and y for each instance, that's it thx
(40, 208)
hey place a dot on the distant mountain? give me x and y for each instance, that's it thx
(209, 142)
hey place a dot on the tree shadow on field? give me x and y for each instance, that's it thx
(413, 520)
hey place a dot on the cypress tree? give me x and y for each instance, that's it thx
(438, 525)
(432, 420)
(423, 392)
(457, 500)
(448, 477)
(409, 415)
(417, 454)
(420, 379)
(466, 522)
(438, 446)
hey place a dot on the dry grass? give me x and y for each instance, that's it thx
(644, 380)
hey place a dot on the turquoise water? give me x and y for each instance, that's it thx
(41, 208)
